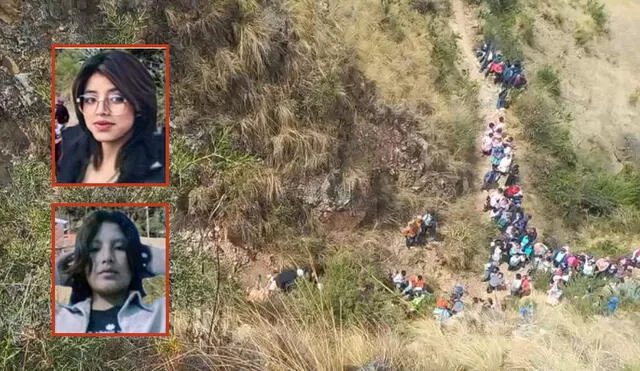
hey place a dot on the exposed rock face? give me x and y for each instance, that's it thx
(628, 148)
(326, 193)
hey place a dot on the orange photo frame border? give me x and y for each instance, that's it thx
(167, 63)
(53, 267)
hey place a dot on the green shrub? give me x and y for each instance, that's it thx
(502, 7)
(501, 31)
(542, 281)
(628, 293)
(585, 294)
(550, 80)
(432, 6)
(539, 117)
(526, 29)
(582, 36)
(598, 14)
(607, 248)
(603, 193)
(353, 291)
(194, 278)
(122, 26)
(445, 52)
(461, 136)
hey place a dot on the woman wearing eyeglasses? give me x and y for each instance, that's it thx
(115, 102)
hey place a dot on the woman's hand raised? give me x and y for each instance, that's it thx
(63, 262)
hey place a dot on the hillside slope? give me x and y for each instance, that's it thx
(605, 120)
(306, 132)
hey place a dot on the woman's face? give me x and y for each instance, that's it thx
(110, 123)
(109, 273)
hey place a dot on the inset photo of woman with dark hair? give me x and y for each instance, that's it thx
(110, 268)
(114, 130)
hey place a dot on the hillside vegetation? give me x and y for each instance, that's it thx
(307, 131)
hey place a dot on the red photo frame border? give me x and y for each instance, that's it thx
(53, 267)
(54, 47)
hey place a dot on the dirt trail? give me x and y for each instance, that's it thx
(464, 25)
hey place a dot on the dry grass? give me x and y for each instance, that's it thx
(404, 71)
(311, 113)
(465, 235)
(556, 338)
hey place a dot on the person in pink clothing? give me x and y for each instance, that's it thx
(487, 144)
(498, 133)
(572, 261)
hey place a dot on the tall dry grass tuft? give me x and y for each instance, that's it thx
(253, 47)
(300, 151)
(209, 27)
(286, 335)
(321, 345)
(557, 338)
(465, 236)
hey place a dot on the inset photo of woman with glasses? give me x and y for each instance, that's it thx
(115, 133)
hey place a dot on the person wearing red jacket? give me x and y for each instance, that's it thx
(512, 190)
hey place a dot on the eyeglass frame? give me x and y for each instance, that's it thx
(98, 101)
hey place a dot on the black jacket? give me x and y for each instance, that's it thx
(62, 114)
(144, 164)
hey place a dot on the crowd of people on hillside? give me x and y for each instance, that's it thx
(519, 246)
(415, 289)
(509, 74)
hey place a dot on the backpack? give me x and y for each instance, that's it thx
(490, 177)
(519, 81)
(442, 303)
(520, 224)
(502, 223)
(560, 256)
(508, 73)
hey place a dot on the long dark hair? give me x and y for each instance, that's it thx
(135, 83)
(138, 255)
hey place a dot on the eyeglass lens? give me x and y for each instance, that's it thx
(114, 103)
